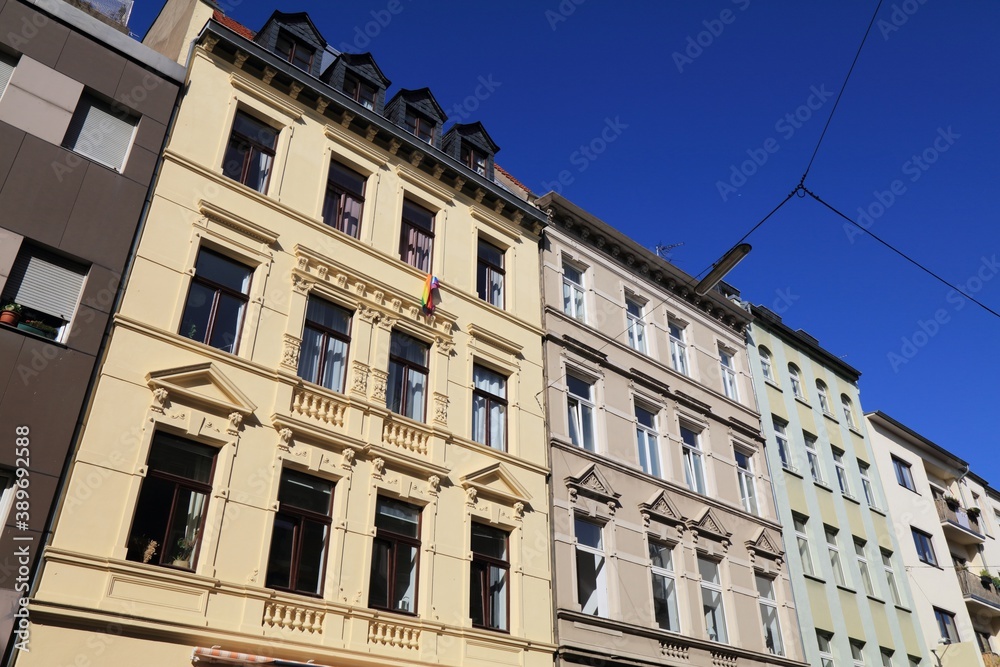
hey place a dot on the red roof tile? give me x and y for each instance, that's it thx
(235, 26)
(513, 180)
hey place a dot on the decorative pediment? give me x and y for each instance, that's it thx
(240, 224)
(594, 484)
(708, 524)
(765, 545)
(200, 384)
(662, 508)
(496, 481)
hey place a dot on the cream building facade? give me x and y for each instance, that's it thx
(667, 546)
(947, 521)
(846, 565)
(286, 457)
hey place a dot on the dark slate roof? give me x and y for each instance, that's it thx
(292, 18)
(358, 59)
(419, 95)
(468, 129)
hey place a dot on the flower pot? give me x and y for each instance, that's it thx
(38, 332)
(10, 317)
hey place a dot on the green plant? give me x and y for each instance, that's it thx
(973, 512)
(42, 326)
(13, 308)
(185, 548)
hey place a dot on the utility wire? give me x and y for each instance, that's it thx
(902, 254)
(841, 93)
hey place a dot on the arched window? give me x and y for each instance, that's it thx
(793, 375)
(848, 410)
(824, 397)
(765, 363)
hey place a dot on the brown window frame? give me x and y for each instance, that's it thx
(411, 225)
(342, 192)
(326, 333)
(219, 290)
(485, 563)
(255, 147)
(299, 515)
(407, 367)
(393, 539)
(354, 85)
(483, 290)
(490, 400)
(296, 45)
(415, 123)
(469, 153)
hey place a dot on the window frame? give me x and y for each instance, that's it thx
(468, 154)
(677, 334)
(395, 539)
(747, 480)
(408, 367)
(720, 610)
(94, 100)
(577, 306)
(490, 269)
(861, 556)
(669, 575)
(824, 642)
(415, 123)
(648, 440)
(858, 653)
(890, 577)
(728, 371)
(772, 604)
(599, 553)
(945, 619)
(840, 470)
(766, 364)
(824, 398)
(489, 401)
(795, 380)
(636, 324)
(904, 474)
(921, 552)
(254, 145)
(296, 45)
(781, 440)
(325, 334)
(486, 561)
(219, 291)
(866, 484)
(803, 543)
(359, 85)
(42, 263)
(587, 406)
(832, 536)
(695, 456)
(300, 515)
(848, 405)
(341, 192)
(408, 224)
(812, 457)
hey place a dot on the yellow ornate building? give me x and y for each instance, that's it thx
(286, 455)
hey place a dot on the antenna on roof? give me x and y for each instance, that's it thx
(663, 251)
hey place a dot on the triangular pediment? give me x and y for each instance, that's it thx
(661, 507)
(496, 481)
(766, 545)
(592, 482)
(201, 384)
(708, 523)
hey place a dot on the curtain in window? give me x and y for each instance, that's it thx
(498, 597)
(416, 384)
(336, 364)
(309, 354)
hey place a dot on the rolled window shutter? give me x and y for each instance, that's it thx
(101, 132)
(6, 70)
(45, 282)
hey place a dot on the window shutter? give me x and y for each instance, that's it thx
(7, 64)
(101, 132)
(45, 282)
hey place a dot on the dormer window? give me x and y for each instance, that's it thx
(422, 128)
(475, 160)
(295, 51)
(361, 92)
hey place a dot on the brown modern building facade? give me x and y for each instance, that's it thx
(84, 110)
(666, 543)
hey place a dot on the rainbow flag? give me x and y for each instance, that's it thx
(428, 298)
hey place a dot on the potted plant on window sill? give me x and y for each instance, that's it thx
(987, 578)
(952, 502)
(11, 314)
(973, 512)
(185, 548)
(39, 328)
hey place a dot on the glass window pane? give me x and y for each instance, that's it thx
(182, 458)
(579, 387)
(197, 311)
(397, 517)
(228, 317)
(406, 579)
(279, 560)
(489, 541)
(305, 492)
(312, 556)
(588, 533)
(709, 570)
(378, 584)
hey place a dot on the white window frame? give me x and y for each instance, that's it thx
(766, 603)
(636, 324)
(585, 405)
(833, 550)
(848, 405)
(866, 484)
(84, 141)
(861, 553)
(824, 397)
(7, 483)
(886, 655)
(727, 366)
(781, 439)
(795, 379)
(825, 642)
(843, 481)
(890, 577)
(766, 363)
(678, 347)
(746, 480)
(575, 307)
(666, 573)
(800, 525)
(858, 653)
(812, 456)
(694, 461)
(11, 62)
(601, 583)
(720, 611)
(648, 441)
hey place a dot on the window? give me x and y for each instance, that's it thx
(727, 367)
(802, 538)
(744, 476)
(824, 398)
(488, 592)
(648, 441)
(6, 486)
(825, 639)
(769, 615)
(474, 159)
(294, 51)
(580, 406)
(489, 408)
(903, 474)
(765, 363)
(250, 153)
(815, 467)
(890, 576)
(636, 325)
(834, 552)
(848, 411)
(395, 557)
(170, 512)
(345, 199)
(416, 242)
(360, 91)
(301, 534)
(793, 376)
(983, 640)
(591, 576)
(781, 438)
(694, 470)
(422, 128)
(925, 548)
(217, 301)
(101, 131)
(7, 65)
(711, 600)
(886, 655)
(866, 575)
(946, 625)
(573, 304)
(47, 287)
(866, 484)
(678, 348)
(842, 481)
(325, 340)
(914, 661)
(406, 393)
(490, 274)
(858, 653)
(664, 587)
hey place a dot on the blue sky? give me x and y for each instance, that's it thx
(695, 90)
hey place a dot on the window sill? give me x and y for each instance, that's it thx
(813, 577)
(831, 417)
(773, 385)
(803, 401)
(875, 599)
(847, 590)
(878, 511)
(823, 486)
(29, 334)
(903, 609)
(855, 431)
(394, 612)
(792, 471)
(851, 499)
